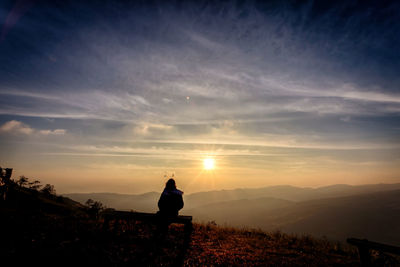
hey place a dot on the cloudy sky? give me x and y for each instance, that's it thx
(111, 96)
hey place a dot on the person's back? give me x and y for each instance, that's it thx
(170, 203)
(171, 200)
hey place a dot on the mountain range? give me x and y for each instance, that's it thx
(336, 212)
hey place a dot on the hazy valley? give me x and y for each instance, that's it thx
(335, 212)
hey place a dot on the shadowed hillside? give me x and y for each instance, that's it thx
(41, 228)
(144, 202)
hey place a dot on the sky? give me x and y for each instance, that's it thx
(117, 96)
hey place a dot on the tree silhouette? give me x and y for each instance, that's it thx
(48, 189)
(94, 208)
(22, 181)
(35, 185)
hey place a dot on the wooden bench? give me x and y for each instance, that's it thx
(130, 216)
(364, 246)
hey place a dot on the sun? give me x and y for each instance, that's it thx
(208, 163)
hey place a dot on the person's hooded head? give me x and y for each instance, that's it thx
(170, 185)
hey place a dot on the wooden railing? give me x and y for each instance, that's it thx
(364, 247)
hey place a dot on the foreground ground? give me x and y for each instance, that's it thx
(212, 245)
(50, 230)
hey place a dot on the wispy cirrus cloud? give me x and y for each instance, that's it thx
(135, 79)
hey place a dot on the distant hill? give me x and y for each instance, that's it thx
(286, 192)
(238, 212)
(337, 211)
(374, 216)
(148, 202)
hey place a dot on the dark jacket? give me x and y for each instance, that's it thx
(170, 202)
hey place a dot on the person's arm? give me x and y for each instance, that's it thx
(161, 203)
(180, 202)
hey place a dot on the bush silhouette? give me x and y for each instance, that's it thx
(22, 181)
(94, 208)
(48, 189)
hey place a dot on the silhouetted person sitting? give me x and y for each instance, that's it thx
(170, 203)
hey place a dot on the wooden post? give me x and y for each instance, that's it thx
(106, 222)
(5, 181)
(365, 259)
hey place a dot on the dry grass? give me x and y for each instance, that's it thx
(222, 246)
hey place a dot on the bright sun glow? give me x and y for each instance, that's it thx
(208, 163)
